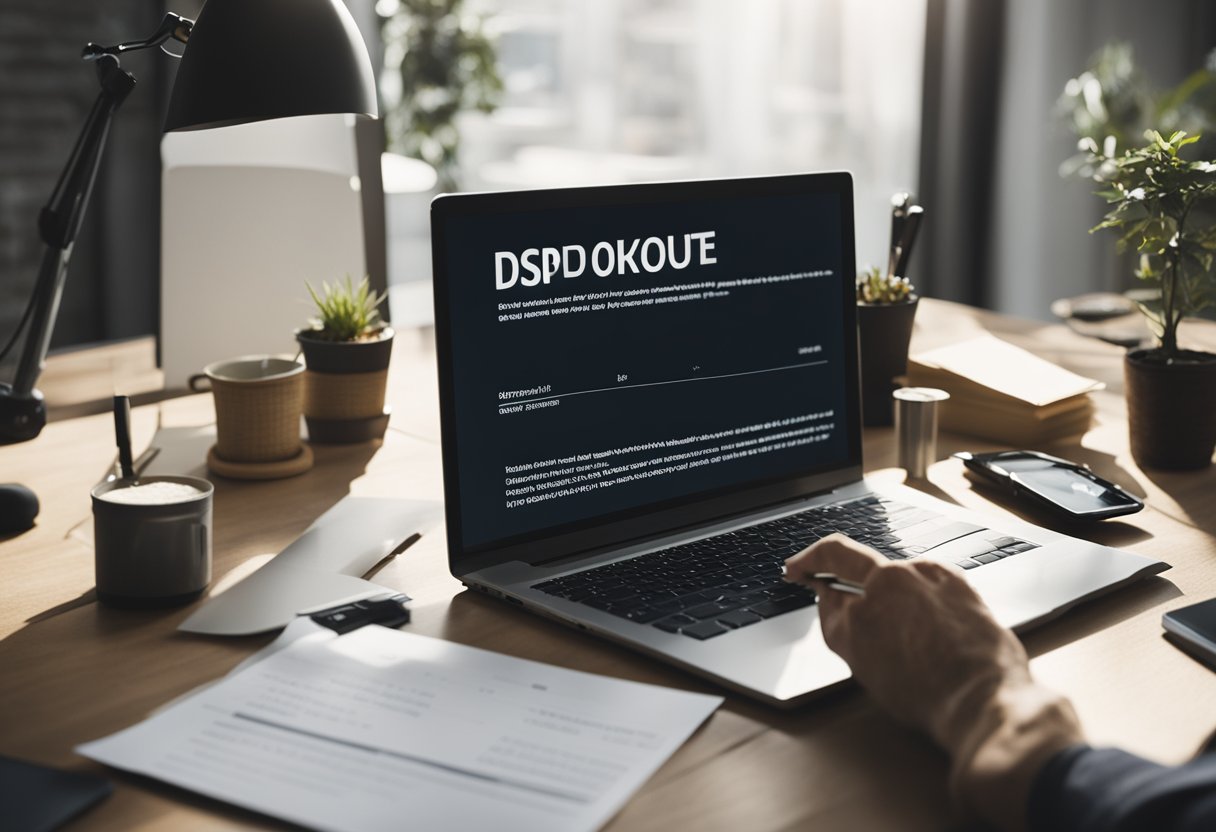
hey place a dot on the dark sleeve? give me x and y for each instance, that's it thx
(1084, 789)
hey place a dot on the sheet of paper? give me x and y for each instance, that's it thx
(385, 730)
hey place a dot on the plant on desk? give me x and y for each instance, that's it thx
(1164, 207)
(886, 309)
(346, 349)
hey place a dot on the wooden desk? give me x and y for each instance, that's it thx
(71, 670)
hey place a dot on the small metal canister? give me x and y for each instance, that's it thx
(916, 415)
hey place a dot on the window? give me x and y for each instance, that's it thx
(604, 91)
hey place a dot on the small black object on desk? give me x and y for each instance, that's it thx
(38, 798)
(1192, 629)
(387, 612)
(18, 508)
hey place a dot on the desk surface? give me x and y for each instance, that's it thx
(73, 671)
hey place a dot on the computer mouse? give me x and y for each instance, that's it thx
(18, 508)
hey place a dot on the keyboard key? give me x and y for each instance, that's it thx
(1002, 541)
(674, 623)
(988, 558)
(711, 610)
(779, 606)
(968, 563)
(704, 630)
(647, 614)
(738, 618)
(784, 590)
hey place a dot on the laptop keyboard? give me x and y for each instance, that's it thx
(713, 586)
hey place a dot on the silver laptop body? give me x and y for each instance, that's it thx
(627, 369)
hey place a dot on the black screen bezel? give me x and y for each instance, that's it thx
(652, 519)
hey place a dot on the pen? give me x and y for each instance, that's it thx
(911, 226)
(122, 433)
(838, 583)
(899, 212)
(832, 580)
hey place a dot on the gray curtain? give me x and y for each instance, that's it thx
(1005, 231)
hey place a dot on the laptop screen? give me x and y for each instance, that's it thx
(613, 351)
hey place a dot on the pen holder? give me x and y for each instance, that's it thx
(884, 332)
(152, 540)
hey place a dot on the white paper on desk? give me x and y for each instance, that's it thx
(321, 568)
(385, 730)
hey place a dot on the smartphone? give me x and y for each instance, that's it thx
(1065, 489)
(1193, 630)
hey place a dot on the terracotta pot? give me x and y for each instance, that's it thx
(884, 332)
(1171, 409)
(344, 387)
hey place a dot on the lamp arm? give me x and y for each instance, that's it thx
(22, 409)
(60, 219)
(22, 413)
(173, 27)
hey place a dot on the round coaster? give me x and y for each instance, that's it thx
(278, 469)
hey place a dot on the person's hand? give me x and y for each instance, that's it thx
(927, 650)
(920, 636)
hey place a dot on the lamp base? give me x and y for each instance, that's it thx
(21, 417)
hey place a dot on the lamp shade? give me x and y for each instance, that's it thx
(250, 60)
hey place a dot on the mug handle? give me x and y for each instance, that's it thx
(197, 379)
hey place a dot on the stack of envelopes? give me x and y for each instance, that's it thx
(1003, 393)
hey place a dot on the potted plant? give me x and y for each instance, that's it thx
(886, 308)
(1162, 205)
(346, 350)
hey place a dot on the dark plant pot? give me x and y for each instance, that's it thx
(344, 387)
(884, 332)
(1171, 409)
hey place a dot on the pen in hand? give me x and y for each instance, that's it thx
(828, 579)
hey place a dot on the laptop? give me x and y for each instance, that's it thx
(649, 399)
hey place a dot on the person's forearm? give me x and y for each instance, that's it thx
(998, 740)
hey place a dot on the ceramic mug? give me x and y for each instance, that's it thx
(152, 540)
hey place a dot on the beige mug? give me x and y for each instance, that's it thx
(258, 403)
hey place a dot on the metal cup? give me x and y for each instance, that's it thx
(916, 415)
(152, 554)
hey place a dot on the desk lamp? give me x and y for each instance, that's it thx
(245, 60)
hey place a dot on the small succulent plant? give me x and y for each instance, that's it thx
(874, 287)
(345, 312)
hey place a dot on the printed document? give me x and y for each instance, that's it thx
(379, 729)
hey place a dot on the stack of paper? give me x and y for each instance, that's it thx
(1003, 393)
